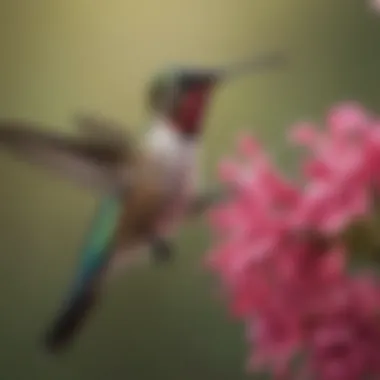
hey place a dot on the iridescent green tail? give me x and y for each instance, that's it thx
(84, 294)
(71, 319)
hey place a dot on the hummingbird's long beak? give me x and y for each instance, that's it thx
(260, 62)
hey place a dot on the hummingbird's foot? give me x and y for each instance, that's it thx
(202, 203)
(162, 250)
(205, 200)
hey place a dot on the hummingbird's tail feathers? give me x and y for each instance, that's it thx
(94, 163)
(70, 320)
(96, 255)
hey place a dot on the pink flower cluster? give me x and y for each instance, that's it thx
(281, 252)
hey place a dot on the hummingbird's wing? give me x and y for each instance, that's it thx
(101, 128)
(97, 163)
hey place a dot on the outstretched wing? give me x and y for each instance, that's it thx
(93, 162)
(101, 128)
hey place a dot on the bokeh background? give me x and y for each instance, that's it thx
(59, 57)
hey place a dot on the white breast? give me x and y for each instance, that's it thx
(177, 158)
(171, 150)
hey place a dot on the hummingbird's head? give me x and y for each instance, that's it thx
(182, 94)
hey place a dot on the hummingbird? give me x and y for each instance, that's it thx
(147, 187)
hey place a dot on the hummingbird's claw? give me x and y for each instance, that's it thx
(205, 200)
(162, 250)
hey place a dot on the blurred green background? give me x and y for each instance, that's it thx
(59, 57)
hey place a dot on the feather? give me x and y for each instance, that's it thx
(103, 129)
(98, 251)
(95, 163)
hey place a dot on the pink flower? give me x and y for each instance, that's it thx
(281, 255)
(340, 171)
